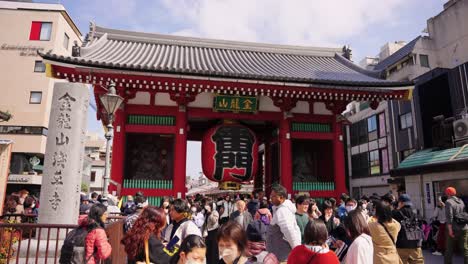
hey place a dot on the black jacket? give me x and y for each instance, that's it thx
(402, 241)
(156, 253)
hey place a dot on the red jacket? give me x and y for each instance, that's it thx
(97, 245)
(301, 254)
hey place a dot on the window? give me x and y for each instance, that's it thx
(382, 130)
(374, 162)
(371, 124)
(384, 155)
(406, 121)
(66, 39)
(360, 165)
(424, 60)
(363, 105)
(39, 66)
(30, 130)
(40, 31)
(35, 98)
(93, 176)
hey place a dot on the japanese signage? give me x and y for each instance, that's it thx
(63, 161)
(24, 50)
(229, 153)
(236, 104)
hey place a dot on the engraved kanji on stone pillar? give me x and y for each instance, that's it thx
(63, 158)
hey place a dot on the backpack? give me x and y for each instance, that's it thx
(258, 228)
(73, 249)
(461, 219)
(411, 228)
(264, 218)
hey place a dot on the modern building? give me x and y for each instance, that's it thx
(95, 150)
(26, 91)
(407, 127)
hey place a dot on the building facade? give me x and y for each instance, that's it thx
(26, 91)
(437, 73)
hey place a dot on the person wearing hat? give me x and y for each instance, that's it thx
(85, 205)
(140, 204)
(408, 248)
(457, 229)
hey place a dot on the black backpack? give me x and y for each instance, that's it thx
(73, 250)
(411, 227)
(461, 218)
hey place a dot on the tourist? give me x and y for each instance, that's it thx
(181, 226)
(440, 217)
(384, 233)
(94, 198)
(140, 204)
(253, 204)
(97, 247)
(85, 205)
(209, 231)
(256, 245)
(331, 222)
(264, 213)
(283, 232)
(457, 227)
(13, 207)
(315, 249)
(129, 207)
(410, 236)
(143, 240)
(22, 195)
(30, 210)
(192, 251)
(226, 209)
(361, 250)
(241, 215)
(197, 215)
(341, 210)
(232, 244)
(165, 204)
(302, 217)
(389, 199)
(313, 211)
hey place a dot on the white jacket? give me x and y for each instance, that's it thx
(283, 216)
(185, 229)
(361, 251)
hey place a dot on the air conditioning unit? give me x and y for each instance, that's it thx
(460, 128)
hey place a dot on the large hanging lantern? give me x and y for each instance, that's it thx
(229, 153)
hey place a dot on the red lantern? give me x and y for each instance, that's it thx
(229, 153)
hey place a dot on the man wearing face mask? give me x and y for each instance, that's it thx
(350, 205)
(283, 234)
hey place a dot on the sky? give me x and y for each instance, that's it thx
(364, 25)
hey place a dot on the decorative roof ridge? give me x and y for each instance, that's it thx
(123, 35)
(371, 73)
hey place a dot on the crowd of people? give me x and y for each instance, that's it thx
(22, 207)
(274, 229)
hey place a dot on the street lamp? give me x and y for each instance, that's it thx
(111, 101)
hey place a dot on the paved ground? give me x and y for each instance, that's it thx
(431, 259)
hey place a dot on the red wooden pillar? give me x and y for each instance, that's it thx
(118, 151)
(339, 159)
(286, 177)
(268, 167)
(180, 153)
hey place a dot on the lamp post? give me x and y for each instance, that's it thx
(111, 101)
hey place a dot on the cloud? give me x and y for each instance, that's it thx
(296, 22)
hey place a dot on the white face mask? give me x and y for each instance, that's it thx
(364, 206)
(350, 208)
(33, 205)
(228, 254)
(194, 210)
(191, 261)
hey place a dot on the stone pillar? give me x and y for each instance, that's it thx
(63, 163)
(5, 156)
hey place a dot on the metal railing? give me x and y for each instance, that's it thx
(42, 243)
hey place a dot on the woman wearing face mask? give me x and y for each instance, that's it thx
(192, 251)
(313, 211)
(197, 215)
(361, 249)
(210, 229)
(232, 243)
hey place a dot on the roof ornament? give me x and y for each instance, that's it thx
(76, 49)
(347, 52)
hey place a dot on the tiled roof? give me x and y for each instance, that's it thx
(429, 158)
(134, 51)
(397, 56)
